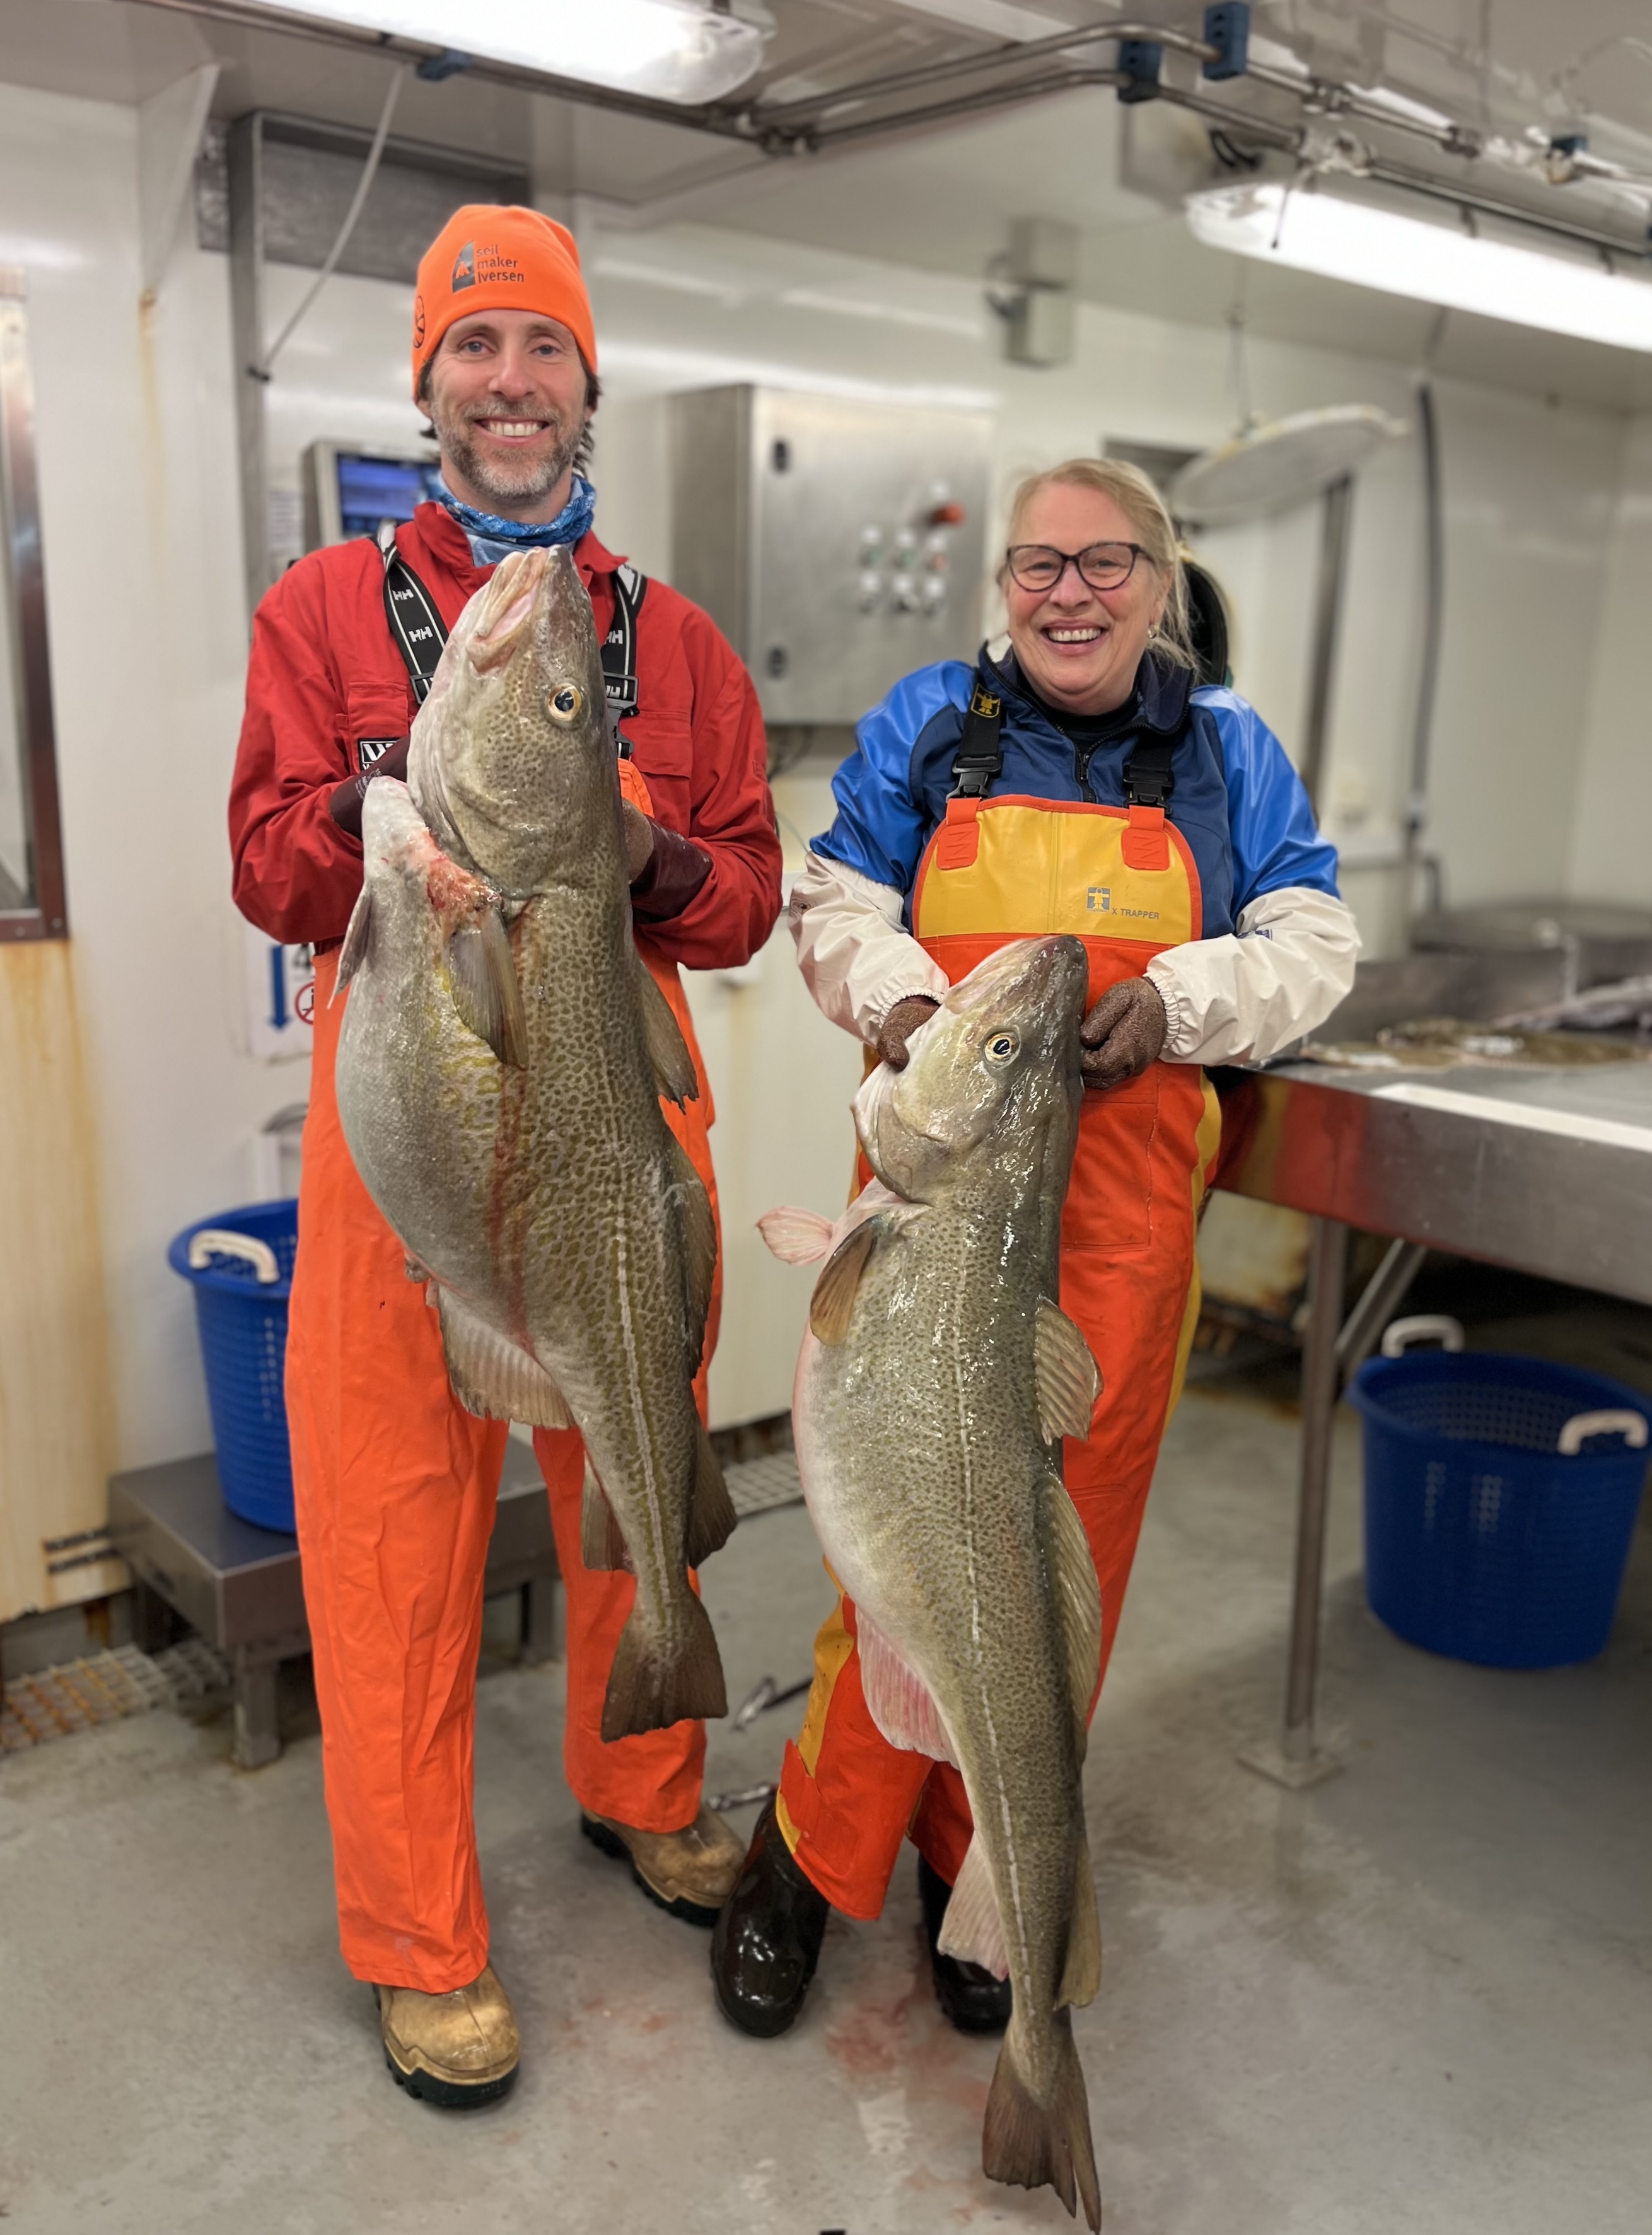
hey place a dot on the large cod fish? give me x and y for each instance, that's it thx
(500, 1067)
(937, 1374)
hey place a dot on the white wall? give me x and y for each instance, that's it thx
(142, 559)
(1611, 837)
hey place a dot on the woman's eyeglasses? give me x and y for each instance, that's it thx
(1103, 565)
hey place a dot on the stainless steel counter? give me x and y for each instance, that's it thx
(1547, 1171)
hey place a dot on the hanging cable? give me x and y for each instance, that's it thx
(1434, 624)
(369, 170)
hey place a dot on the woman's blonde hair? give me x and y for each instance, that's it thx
(1142, 506)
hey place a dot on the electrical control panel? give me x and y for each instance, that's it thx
(837, 544)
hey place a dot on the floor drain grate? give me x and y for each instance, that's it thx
(105, 1688)
(758, 1485)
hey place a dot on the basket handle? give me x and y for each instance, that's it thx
(1630, 1425)
(1424, 1327)
(218, 1241)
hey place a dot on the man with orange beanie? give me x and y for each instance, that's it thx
(393, 1481)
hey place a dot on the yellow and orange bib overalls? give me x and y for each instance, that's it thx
(1123, 880)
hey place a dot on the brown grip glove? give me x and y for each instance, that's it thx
(666, 869)
(344, 801)
(898, 1026)
(1123, 1033)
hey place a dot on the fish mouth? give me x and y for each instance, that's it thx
(508, 607)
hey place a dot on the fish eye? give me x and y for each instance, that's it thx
(1002, 1047)
(565, 704)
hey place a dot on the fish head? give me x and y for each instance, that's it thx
(994, 1069)
(512, 762)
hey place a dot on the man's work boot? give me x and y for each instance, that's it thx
(689, 1872)
(766, 1942)
(456, 2051)
(970, 1997)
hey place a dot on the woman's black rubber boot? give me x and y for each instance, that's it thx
(766, 1941)
(970, 1998)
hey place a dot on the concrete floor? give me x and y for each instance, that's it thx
(1415, 1999)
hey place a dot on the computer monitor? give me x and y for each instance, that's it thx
(349, 489)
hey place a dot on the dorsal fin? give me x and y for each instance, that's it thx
(673, 1065)
(1071, 1569)
(1068, 1377)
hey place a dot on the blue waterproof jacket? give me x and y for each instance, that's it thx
(1236, 798)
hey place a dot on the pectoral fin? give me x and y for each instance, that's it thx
(481, 971)
(667, 1049)
(1069, 1379)
(493, 1377)
(1071, 1570)
(358, 940)
(796, 1237)
(833, 1298)
(973, 1929)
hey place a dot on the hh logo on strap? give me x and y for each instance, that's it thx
(369, 749)
(984, 704)
(464, 267)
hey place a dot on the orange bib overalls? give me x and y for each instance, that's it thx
(1124, 881)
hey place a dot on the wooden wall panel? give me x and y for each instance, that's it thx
(56, 1405)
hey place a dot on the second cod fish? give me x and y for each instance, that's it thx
(937, 1374)
(500, 1067)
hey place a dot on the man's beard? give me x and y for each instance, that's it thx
(504, 480)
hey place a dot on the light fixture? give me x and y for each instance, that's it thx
(1374, 246)
(671, 49)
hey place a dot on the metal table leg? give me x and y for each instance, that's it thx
(258, 1736)
(542, 1621)
(1293, 1758)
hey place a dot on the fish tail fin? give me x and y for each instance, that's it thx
(649, 1690)
(1029, 2143)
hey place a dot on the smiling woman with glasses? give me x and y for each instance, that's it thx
(1079, 777)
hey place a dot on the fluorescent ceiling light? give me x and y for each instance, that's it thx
(1003, 19)
(1378, 247)
(672, 50)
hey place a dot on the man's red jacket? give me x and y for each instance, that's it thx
(325, 677)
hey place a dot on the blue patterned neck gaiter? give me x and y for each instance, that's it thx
(492, 538)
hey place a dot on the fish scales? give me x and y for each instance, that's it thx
(925, 1454)
(499, 1086)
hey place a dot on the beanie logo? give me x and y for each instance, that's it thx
(464, 267)
(418, 321)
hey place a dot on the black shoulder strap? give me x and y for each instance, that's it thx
(981, 753)
(1148, 781)
(619, 651)
(416, 628)
(1147, 777)
(417, 631)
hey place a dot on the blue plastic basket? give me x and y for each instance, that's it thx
(243, 1322)
(1481, 1541)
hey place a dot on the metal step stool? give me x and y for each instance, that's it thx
(240, 1586)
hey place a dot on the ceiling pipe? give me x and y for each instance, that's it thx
(796, 128)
